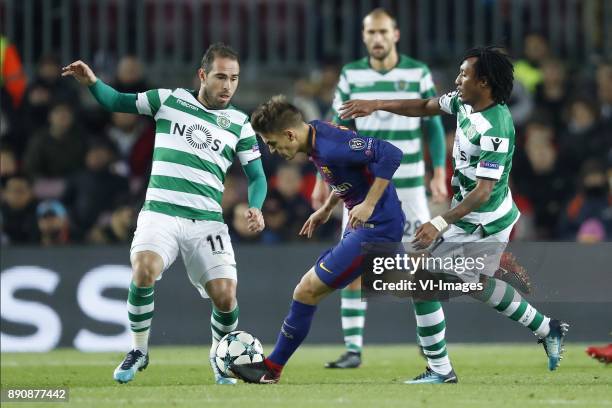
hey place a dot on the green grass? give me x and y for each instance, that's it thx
(489, 376)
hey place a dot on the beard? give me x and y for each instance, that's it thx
(380, 54)
(213, 102)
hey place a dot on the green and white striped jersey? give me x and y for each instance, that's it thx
(483, 148)
(194, 147)
(410, 79)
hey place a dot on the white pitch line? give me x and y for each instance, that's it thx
(56, 363)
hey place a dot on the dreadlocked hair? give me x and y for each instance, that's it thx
(275, 115)
(494, 66)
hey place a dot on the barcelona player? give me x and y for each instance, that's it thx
(359, 170)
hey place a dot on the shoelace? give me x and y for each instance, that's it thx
(428, 373)
(563, 328)
(130, 360)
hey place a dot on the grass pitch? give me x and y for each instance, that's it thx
(489, 376)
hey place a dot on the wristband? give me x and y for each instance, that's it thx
(439, 223)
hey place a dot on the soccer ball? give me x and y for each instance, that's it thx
(237, 347)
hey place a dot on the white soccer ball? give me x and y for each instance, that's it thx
(237, 347)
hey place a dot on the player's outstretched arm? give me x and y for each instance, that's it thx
(106, 96)
(81, 72)
(357, 108)
(257, 190)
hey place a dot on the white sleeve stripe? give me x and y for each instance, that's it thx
(445, 102)
(142, 104)
(163, 95)
(246, 131)
(248, 156)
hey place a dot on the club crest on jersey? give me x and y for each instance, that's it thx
(223, 121)
(357, 143)
(401, 85)
(326, 171)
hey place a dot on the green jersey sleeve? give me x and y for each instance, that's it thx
(111, 100)
(149, 102)
(449, 102)
(494, 152)
(258, 185)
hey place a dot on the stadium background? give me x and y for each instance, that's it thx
(74, 176)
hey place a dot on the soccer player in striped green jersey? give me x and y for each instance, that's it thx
(198, 135)
(387, 74)
(482, 210)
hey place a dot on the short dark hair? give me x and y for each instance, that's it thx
(275, 115)
(495, 66)
(215, 50)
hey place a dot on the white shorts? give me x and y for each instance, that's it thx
(414, 205)
(457, 244)
(205, 246)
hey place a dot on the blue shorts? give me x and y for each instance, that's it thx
(340, 265)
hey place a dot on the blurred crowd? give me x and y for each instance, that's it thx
(562, 169)
(74, 173)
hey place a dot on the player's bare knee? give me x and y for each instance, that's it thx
(146, 267)
(311, 290)
(143, 276)
(304, 292)
(222, 292)
(225, 302)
